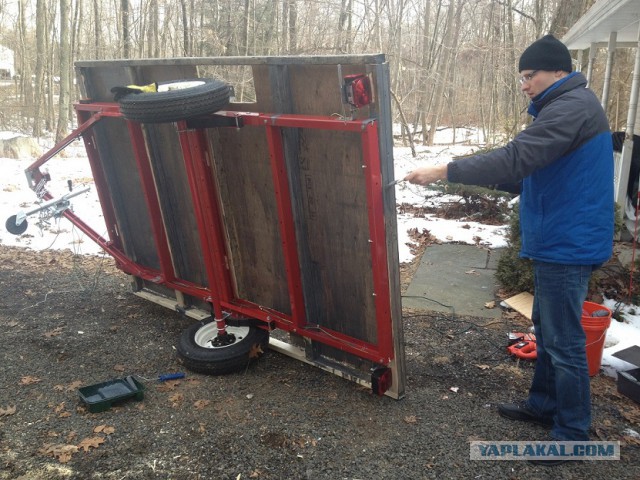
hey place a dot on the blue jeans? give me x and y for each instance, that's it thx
(560, 388)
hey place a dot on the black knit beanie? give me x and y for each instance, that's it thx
(548, 53)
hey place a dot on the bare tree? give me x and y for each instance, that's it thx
(126, 34)
(293, 26)
(41, 20)
(442, 73)
(343, 38)
(566, 15)
(65, 68)
(186, 33)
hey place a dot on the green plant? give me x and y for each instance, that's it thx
(515, 274)
(618, 219)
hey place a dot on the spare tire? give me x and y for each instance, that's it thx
(176, 100)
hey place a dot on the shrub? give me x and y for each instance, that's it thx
(514, 273)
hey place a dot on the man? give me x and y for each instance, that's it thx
(564, 159)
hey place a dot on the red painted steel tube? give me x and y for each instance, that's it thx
(323, 335)
(287, 225)
(211, 228)
(207, 199)
(99, 179)
(150, 193)
(106, 109)
(375, 208)
(298, 121)
(195, 154)
(65, 142)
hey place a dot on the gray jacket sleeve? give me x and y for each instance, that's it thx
(561, 126)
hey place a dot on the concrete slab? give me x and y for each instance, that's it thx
(455, 278)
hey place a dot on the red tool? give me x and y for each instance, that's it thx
(522, 345)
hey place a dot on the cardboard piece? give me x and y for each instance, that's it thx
(521, 303)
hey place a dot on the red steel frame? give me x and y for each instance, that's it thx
(220, 290)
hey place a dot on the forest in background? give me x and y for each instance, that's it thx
(452, 62)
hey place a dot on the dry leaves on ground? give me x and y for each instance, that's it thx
(176, 399)
(169, 385)
(633, 415)
(90, 442)
(29, 380)
(107, 430)
(9, 410)
(256, 351)
(200, 404)
(60, 451)
(53, 333)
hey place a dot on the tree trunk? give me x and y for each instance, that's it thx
(65, 65)
(41, 20)
(293, 26)
(126, 34)
(153, 30)
(24, 63)
(186, 34)
(567, 13)
(442, 73)
(97, 33)
(424, 70)
(244, 44)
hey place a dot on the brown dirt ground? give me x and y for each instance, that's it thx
(70, 321)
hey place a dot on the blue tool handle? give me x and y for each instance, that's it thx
(170, 376)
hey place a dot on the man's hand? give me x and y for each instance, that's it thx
(427, 175)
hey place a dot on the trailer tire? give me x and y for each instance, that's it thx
(198, 354)
(176, 100)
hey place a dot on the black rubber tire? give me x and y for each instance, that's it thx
(11, 226)
(209, 96)
(220, 360)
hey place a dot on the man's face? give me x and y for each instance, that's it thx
(534, 82)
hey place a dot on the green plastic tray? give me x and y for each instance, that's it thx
(102, 396)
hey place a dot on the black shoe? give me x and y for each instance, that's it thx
(521, 411)
(548, 462)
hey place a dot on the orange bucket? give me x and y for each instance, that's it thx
(595, 329)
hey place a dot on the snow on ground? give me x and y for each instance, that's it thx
(16, 196)
(61, 234)
(443, 229)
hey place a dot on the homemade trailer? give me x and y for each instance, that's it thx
(269, 220)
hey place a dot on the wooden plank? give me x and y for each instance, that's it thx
(178, 215)
(381, 109)
(242, 171)
(334, 205)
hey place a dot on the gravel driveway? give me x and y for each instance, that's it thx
(70, 321)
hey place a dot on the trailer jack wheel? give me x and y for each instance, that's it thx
(202, 350)
(13, 227)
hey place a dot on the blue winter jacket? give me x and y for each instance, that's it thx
(565, 161)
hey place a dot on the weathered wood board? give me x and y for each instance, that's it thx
(327, 188)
